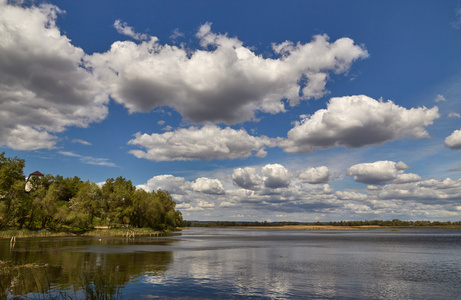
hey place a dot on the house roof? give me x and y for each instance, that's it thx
(36, 173)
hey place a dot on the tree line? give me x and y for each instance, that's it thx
(57, 203)
(395, 223)
(385, 223)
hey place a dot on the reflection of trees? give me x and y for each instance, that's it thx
(36, 265)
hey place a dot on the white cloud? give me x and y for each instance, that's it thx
(43, 86)
(454, 115)
(215, 198)
(315, 175)
(356, 121)
(170, 183)
(379, 172)
(225, 82)
(247, 178)
(89, 160)
(81, 142)
(276, 176)
(22, 137)
(440, 98)
(68, 153)
(346, 195)
(124, 29)
(205, 143)
(176, 34)
(407, 178)
(208, 186)
(446, 183)
(453, 141)
(430, 191)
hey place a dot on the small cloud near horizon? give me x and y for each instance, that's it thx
(89, 159)
(81, 142)
(440, 98)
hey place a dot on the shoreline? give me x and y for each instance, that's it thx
(104, 231)
(129, 232)
(331, 227)
(316, 227)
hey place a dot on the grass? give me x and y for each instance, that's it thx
(121, 232)
(24, 233)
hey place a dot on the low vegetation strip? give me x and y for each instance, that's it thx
(24, 233)
(317, 227)
(338, 225)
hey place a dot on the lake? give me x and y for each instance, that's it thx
(230, 263)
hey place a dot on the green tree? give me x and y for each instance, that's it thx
(171, 218)
(11, 170)
(44, 207)
(67, 188)
(15, 206)
(86, 205)
(117, 200)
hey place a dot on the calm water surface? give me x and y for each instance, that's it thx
(243, 264)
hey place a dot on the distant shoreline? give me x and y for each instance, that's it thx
(331, 227)
(315, 227)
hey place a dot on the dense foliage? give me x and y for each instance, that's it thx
(58, 203)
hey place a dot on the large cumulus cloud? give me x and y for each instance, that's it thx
(315, 175)
(381, 172)
(195, 143)
(453, 141)
(432, 191)
(43, 86)
(276, 176)
(247, 178)
(225, 82)
(208, 186)
(356, 121)
(170, 183)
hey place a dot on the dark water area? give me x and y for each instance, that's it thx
(231, 263)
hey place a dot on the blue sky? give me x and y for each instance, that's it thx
(243, 110)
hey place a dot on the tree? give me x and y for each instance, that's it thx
(44, 207)
(86, 204)
(66, 188)
(117, 198)
(171, 217)
(15, 206)
(11, 170)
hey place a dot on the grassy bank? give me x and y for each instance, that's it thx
(24, 233)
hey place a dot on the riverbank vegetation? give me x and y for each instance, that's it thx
(58, 204)
(341, 225)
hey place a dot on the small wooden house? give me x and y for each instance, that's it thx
(29, 185)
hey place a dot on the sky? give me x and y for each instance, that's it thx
(243, 110)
